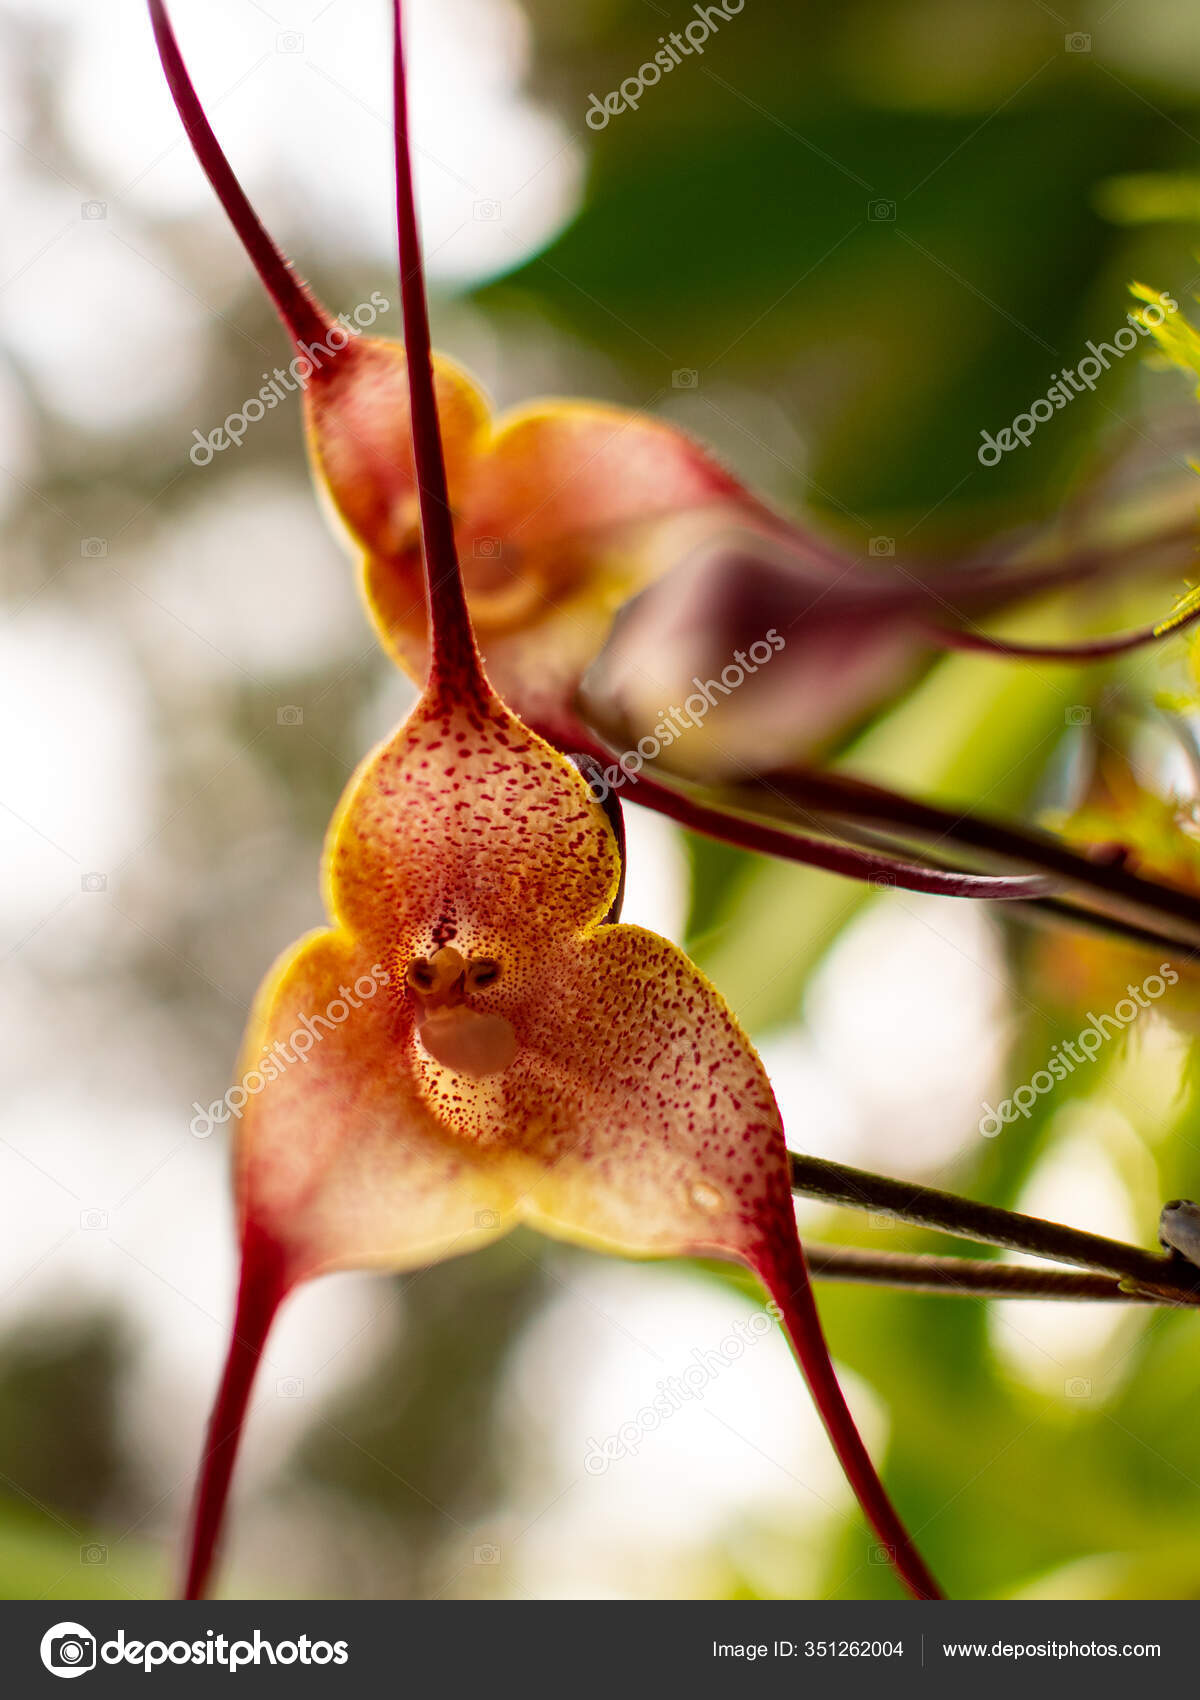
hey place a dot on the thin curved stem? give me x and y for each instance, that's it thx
(1087, 649)
(756, 815)
(1000, 582)
(989, 1224)
(879, 868)
(970, 1277)
(1101, 878)
(993, 583)
(876, 867)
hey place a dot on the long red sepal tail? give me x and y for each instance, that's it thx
(261, 1290)
(304, 317)
(784, 1273)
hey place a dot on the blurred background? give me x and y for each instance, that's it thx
(872, 231)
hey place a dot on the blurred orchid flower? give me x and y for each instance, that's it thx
(566, 511)
(838, 648)
(562, 509)
(495, 1047)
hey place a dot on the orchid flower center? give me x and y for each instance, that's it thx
(450, 1027)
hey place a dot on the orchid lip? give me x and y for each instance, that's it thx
(468, 1041)
(450, 1029)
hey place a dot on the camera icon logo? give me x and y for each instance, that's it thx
(686, 378)
(93, 209)
(882, 1555)
(1078, 714)
(93, 882)
(487, 211)
(486, 549)
(1077, 42)
(881, 212)
(291, 1387)
(487, 1554)
(881, 546)
(487, 1218)
(290, 41)
(93, 1221)
(93, 1553)
(93, 548)
(289, 715)
(1078, 1387)
(68, 1649)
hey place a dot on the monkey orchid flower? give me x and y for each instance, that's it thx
(564, 511)
(505, 1052)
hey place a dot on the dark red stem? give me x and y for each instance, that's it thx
(261, 1290)
(1095, 877)
(784, 1273)
(754, 833)
(972, 1277)
(1088, 649)
(991, 1224)
(306, 320)
(454, 664)
(838, 858)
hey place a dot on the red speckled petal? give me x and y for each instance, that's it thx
(627, 1108)
(360, 442)
(649, 1115)
(557, 473)
(629, 1111)
(340, 1160)
(464, 826)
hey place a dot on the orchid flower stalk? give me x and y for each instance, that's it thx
(512, 1054)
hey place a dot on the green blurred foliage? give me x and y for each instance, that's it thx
(59, 1413)
(729, 228)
